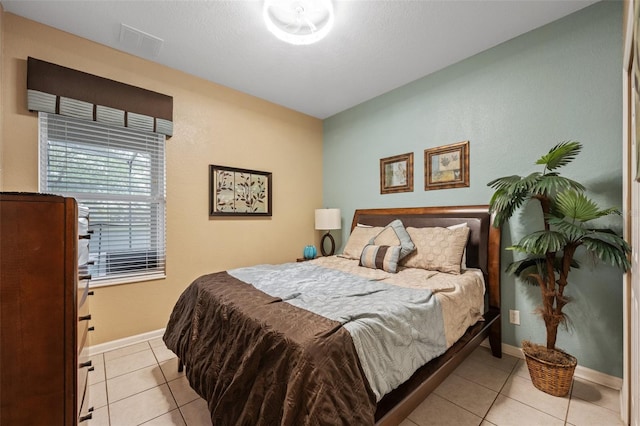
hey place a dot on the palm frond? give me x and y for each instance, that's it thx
(527, 182)
(560, 155)
(551, 183)
(572, 231)
(524, 269)
(610, 237)
(541, 242)
(504, 182)
(535, 265)
(577, 206)
(504, 203)
(606, 252)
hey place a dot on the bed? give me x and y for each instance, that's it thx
(259, 353)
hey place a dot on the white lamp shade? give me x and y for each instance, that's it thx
(327, 219)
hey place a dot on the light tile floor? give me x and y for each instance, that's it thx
(140, 385)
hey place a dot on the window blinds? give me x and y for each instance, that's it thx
(119, 174)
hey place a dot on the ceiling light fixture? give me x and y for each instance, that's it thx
(298, 21)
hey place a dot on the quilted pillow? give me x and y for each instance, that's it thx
(394, 234)
(380, 257)
(437, 249)
(360, 237)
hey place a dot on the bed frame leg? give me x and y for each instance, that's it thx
(495, 338)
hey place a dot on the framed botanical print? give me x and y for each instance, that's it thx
(396, 174)
(446, 166)
(239, 192)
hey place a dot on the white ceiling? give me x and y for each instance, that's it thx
(374, 47)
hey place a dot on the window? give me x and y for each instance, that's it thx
(119, 174)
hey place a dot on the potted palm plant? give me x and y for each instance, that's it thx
(549, 252)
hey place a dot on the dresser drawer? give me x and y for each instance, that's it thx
(84, 410)
(83, 375)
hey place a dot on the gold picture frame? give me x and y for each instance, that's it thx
(396, 174)
(446, 166)
(239, 192)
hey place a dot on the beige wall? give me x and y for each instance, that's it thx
(212, 125)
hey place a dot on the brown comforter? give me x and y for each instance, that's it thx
(260, 361)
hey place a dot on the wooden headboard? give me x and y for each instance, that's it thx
(483, 247)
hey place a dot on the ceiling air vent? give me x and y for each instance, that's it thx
(139, 42)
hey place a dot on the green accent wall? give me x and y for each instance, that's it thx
(513, 102)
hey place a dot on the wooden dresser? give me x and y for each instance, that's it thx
(44, 317)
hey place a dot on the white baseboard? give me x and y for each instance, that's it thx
(120, 343)
(580, 372)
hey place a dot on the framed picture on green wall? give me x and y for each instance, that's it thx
(446, 166)
(396, 174)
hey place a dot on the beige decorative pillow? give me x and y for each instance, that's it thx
(437, 249)
(360, 237)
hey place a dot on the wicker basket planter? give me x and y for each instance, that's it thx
(551, 377)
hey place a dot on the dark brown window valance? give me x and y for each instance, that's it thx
(65, 91)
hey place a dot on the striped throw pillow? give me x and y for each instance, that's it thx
(380, 257)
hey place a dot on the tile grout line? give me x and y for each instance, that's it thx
(167, 382)
(566, 414)
(513, 369)
(106, 388)
(478, 384)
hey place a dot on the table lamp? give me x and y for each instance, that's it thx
(327, 220)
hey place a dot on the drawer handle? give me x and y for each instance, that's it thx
(91, 369)
(84, 318)
(92, 328)
(84, 277)
(91, 262)
(85, 418)
(84, 237)
(90, 293)
(85, 364)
